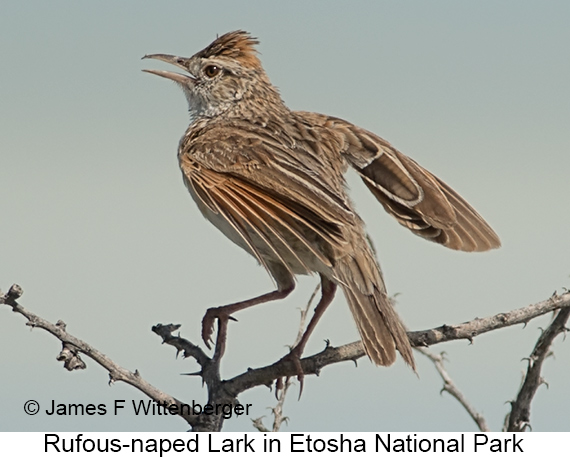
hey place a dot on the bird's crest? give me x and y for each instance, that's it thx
(238, 45)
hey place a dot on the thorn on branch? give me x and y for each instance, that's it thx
(278, 387)
(258, 424)
(530, 362)
(519, 417)
(195, 373)
(450, 387)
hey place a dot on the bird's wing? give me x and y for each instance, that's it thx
(271, 197)
(415, 197)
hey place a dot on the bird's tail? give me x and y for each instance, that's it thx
(379, 325)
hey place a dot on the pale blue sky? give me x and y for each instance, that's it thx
(98, 228)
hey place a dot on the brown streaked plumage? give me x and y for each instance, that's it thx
(272, 180)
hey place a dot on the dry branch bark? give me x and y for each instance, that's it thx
(226, 391)
(72, 346)
(519, 418)
(450, 387)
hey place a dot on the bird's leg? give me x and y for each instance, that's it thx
(224, 313)
(328, 290)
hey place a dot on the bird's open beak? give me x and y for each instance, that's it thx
(180, 62)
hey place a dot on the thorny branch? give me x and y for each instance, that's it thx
(450, 387)
(519, 418)
(471, 329)
(281, 393)
(72, 346)
(226, 391)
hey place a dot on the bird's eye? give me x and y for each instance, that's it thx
(211, 70)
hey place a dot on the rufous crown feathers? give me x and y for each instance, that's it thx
(238, 45)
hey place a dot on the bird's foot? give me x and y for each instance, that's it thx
(223, 316)
(293, 357)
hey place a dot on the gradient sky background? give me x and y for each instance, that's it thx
(99, 230)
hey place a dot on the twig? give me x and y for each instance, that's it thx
(471, 329)
(450, 387)
(277, 410)
(72, 345)
(519, 418)
(353, 351)
(209, 372)
(187, 348)
(226, 392)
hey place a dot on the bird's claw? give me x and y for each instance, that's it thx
(293, 357)
(208, 323)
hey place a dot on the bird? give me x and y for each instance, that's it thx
(273, 181)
